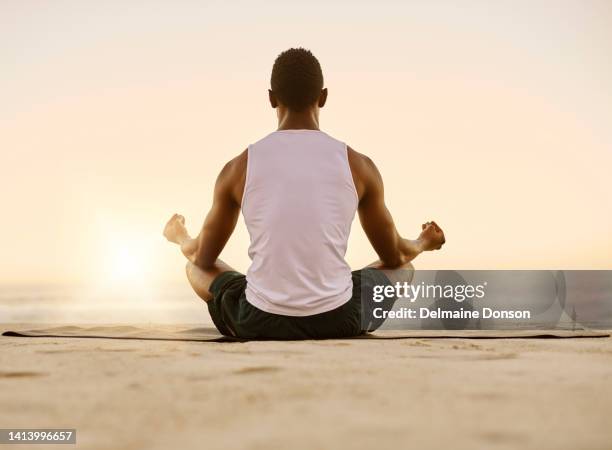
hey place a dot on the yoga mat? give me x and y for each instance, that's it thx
(181, 333)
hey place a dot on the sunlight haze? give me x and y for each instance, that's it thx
(492, 118)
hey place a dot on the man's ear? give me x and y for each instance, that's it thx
(272, 97)
(322, 97)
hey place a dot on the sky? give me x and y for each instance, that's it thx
(492, 118)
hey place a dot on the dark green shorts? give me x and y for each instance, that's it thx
(234, 316)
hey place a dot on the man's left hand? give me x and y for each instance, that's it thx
(175, 230)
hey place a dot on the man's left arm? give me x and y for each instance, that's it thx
(220, 221)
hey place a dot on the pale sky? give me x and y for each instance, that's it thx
(492, 118)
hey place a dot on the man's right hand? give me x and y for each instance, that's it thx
(432, 236)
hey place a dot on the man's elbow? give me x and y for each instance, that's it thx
(392, 261)
(203, 262)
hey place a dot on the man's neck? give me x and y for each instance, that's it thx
(304, 120)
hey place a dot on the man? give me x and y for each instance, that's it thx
(298, 189)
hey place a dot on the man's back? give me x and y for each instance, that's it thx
(298, 204)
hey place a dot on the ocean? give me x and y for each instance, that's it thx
(80, 303)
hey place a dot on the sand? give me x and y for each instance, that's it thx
(358, 394)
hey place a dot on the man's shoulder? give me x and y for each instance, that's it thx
(359, 162)
(363, 170)
(232, 177)
(236, 165)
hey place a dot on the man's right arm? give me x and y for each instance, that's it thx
(377, 222)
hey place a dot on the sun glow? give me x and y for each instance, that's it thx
(126, 255)
(129, 263)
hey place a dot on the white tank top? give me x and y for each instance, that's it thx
(298, 205)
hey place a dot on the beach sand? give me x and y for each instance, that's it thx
(357, 394)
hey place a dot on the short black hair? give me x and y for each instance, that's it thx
(296, 79)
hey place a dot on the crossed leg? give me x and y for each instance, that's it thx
(201, 279)
(402, 274)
